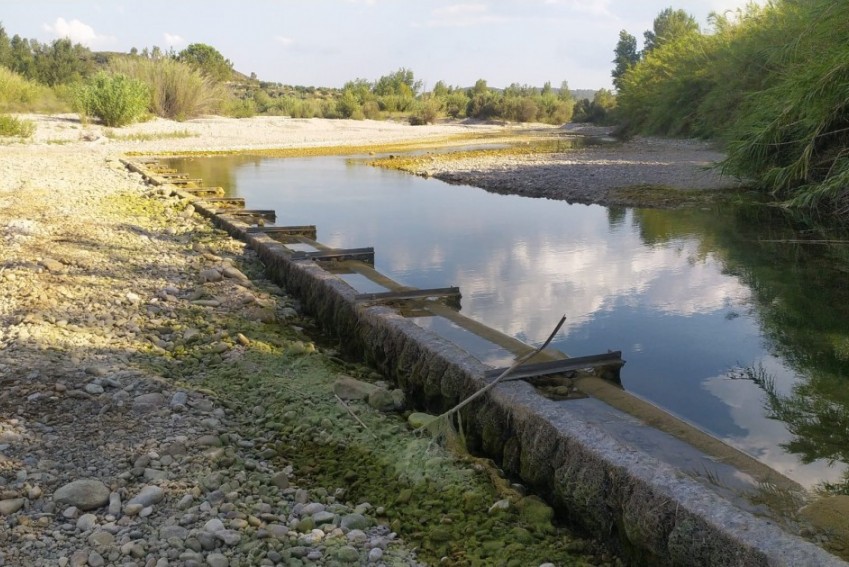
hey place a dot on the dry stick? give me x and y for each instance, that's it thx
(350, 411)
(519, 362)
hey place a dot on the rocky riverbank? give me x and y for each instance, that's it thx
(642, 172)
(163, 403)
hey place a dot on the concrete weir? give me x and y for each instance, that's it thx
(656, 498)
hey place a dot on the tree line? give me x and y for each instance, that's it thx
(132, 84)
(769, 82)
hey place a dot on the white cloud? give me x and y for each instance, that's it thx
(173, 40)
(592, 7)
(462, 15)
(284, 40)
(78, 32)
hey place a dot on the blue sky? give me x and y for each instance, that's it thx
(327, 42)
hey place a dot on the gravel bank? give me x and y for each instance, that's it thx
(163, 403)
(640, 172)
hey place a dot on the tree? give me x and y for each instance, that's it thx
(207, 60)
(626, 56)
(5, 48)
(668, 25)
(61, 62)
(440, 89)
(400, 83)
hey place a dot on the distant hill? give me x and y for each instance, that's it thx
(587, 94)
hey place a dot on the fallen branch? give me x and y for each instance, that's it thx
(350, 411)
(519, 362)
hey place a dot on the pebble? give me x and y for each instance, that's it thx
(217, 560)
(148, 496)
(85, 494)
(10, 506)
(86, 522)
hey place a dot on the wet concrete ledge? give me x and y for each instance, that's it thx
(653, 513)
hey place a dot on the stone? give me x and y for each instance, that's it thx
(354, 522)
(229, 537)
(210, 276)
(133, 509)
(280, 480)
(381, 400)
(101, 538)
(79, 558)
(214, 525)
(95, 559)
(234, 273)
(418, 420)
(348, 554)
(535, 512)
(85, 494)
(217, 560)
(168, 532)
(93, 389)
(277, 531)
(179, 400)
(148, 496)
(70, 512)
(349, 388)
(11, 505)
(147, 402)
(151, 475)
(52, 265)
(499, 506)
(375, 554)
(86, 522)
(323, 517)
(114, 504)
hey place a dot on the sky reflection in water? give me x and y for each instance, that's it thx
(681, 323)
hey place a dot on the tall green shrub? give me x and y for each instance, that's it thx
(178, 91)
(117, 100)
(16, 91)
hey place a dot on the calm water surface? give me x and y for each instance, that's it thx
(721, 320)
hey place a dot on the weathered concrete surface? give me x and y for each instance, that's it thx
(652, 512)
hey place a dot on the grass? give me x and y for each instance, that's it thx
(149, 136)
(11, 126)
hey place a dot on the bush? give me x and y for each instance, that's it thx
(11, 126)
(349, 106)
(178, 91)
(426, 112)
(241, 108)
(117, 100)
(15, 90)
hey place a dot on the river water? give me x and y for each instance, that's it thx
(736, 320)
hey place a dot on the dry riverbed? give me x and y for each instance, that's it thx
(163, 403)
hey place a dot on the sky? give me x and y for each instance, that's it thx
(329, 42)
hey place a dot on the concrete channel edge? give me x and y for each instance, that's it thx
(651, 512)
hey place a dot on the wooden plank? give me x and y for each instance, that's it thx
(361, 254)
(611, 359)
(186, 181)
(226, 201)
(268, 214)
(307, 230)
(171, 175)
(443, 292)
(203, 191)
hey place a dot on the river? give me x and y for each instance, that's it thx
(734, 319)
